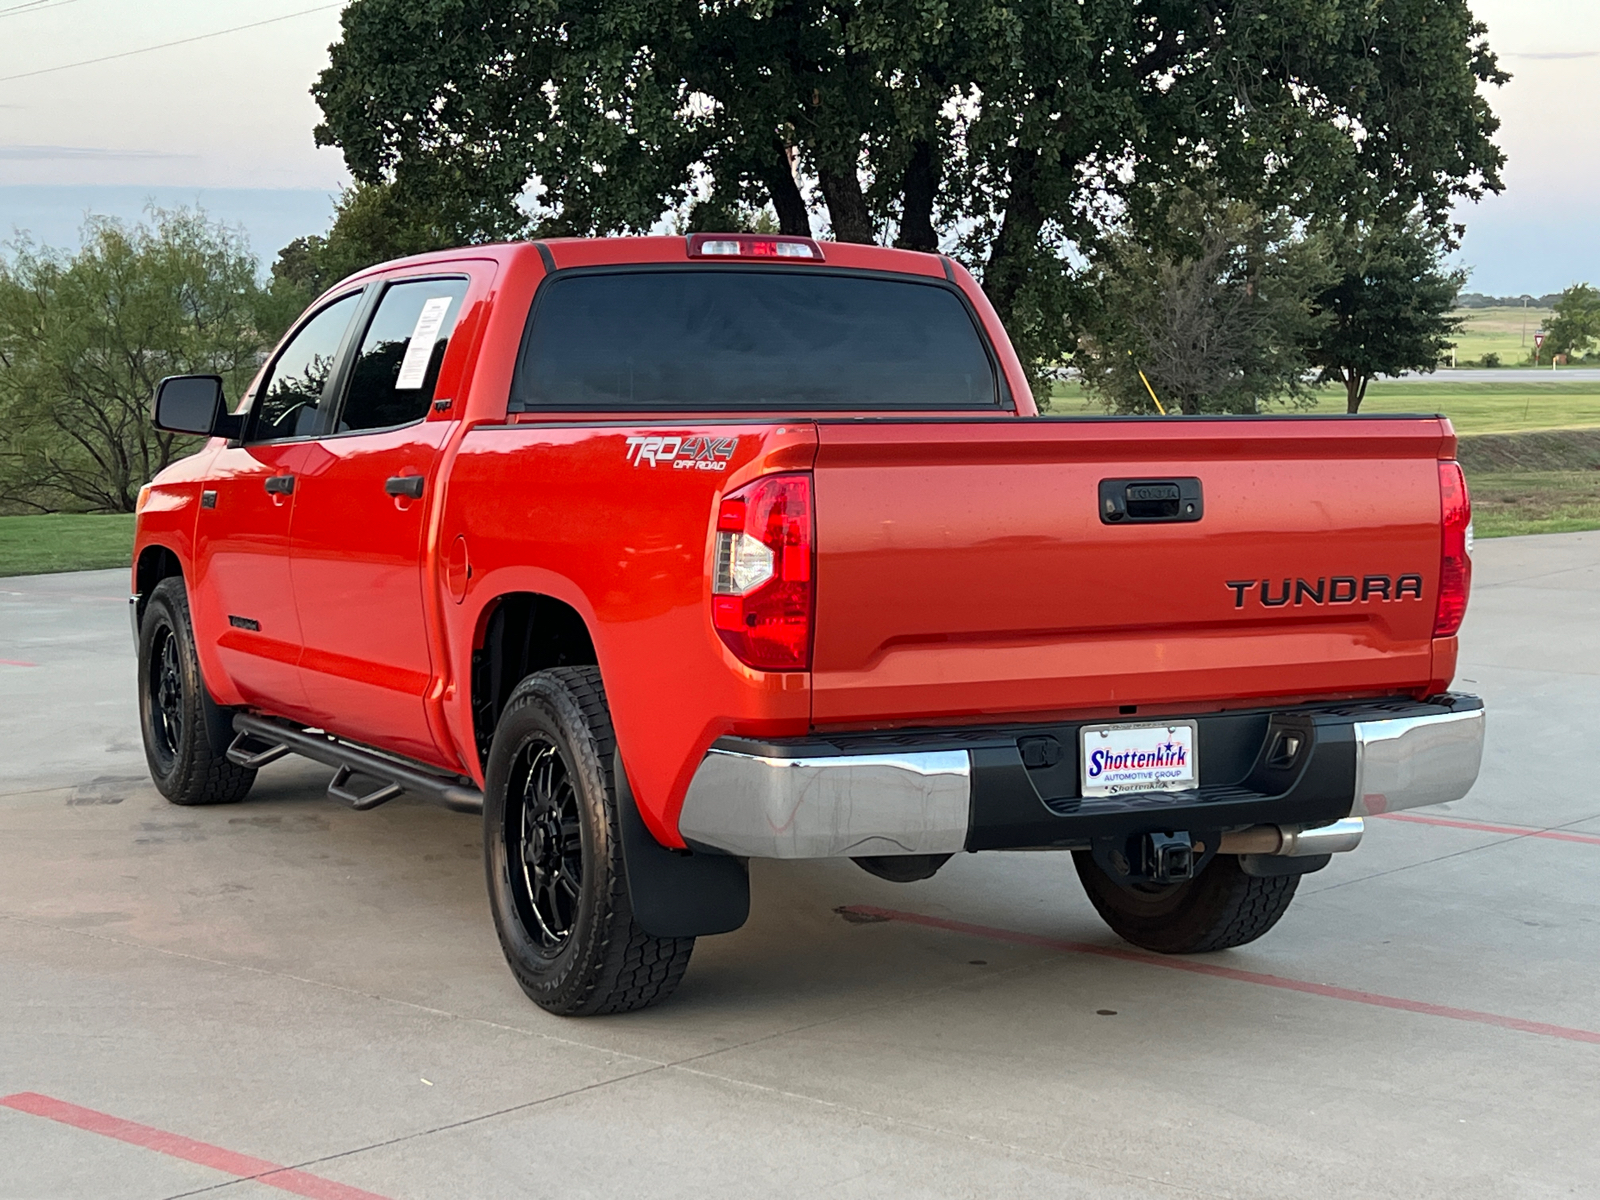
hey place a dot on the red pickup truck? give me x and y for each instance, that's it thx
(665, 553)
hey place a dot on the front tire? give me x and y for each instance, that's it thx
(186, 767)
(1219, 909)
(553, 855)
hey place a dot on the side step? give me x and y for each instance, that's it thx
(261, 740)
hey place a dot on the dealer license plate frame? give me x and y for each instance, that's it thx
(1106, 733)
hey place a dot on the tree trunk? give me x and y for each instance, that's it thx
(1006, 270)
(920, 186)
(1355, 391)
(787, 202)
(847, 206)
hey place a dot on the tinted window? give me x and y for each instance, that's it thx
(289, 399)
(397, 369)
(709, 338)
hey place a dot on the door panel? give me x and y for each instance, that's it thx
(243, 591)
(356, 564)
(243, 595)
(360, 518)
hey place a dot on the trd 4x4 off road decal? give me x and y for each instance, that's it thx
(682, 453)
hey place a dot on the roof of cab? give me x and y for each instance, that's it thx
(621, 251)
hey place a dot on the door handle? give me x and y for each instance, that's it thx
(280, 485)
(404, 485)
(1150, 501)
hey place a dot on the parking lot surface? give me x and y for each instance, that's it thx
(286, 997)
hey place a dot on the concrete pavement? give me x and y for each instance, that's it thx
(320, 989)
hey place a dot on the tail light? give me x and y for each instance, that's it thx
(1455, 554)
(761, 591)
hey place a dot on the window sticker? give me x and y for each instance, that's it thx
(419, 350)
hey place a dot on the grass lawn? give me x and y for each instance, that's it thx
(65, 542)
(1507, 332)
(1505, 503)
(1483, 407)
(1471, 407)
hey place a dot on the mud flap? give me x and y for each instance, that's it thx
(676, 893)
(219, 722)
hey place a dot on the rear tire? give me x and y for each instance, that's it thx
(1219, 909)
(186, 767)
(553, 855)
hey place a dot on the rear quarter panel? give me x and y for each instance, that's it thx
(567, 511)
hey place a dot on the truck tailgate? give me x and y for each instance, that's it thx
(963, 568)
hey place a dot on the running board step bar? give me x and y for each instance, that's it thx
(261, 740)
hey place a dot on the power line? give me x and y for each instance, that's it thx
(200, 37)
(33, 6)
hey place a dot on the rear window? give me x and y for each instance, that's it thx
(713, 338)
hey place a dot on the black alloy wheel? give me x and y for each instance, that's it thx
(552, 847)
(166, 698)
(187, 756)
(549, 836)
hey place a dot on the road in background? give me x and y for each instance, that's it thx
(286, 983)
(1501, 375)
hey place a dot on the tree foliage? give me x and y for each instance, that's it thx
(1575, 325)
(1387, 307)
(1017, 135)
(1212, 318)
(85, 338)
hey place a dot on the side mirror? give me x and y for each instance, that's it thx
(192, 404)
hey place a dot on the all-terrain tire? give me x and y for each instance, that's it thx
(553, 855)
(186, 767)
(1219, 909)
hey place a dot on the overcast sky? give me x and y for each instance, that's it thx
(224, 119)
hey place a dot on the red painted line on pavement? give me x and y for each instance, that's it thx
(285, 1179)
(1328, 990)
(1555, 835)
(15, 662)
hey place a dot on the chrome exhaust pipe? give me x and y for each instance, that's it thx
(1295, 841)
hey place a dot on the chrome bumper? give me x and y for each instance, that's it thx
(835, 807)
(798, 803)
(1412, 761)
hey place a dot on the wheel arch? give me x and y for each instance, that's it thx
(155, 563)
(517, 634)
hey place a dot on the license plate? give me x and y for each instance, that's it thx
(1154, 757)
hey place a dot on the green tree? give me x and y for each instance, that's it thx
(84, 339)
(1214, 320)
(1387, 309)
(1575, 325)
(1016, 135)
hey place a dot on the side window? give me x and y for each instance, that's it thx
(290, 397)
(397, 368)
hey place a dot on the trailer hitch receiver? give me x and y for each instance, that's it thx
(1168, 857)
(1160, 856)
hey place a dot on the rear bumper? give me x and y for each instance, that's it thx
(944, 791)
(1406, 762)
